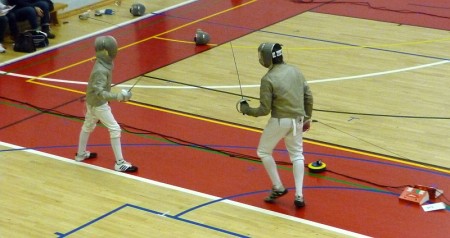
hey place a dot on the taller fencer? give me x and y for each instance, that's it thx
(285, 94)
(98, 95)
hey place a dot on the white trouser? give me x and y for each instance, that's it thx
(277, 129)
(104, 114)
(292, 132)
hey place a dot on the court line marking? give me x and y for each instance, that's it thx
(32, 80)
(259, 131)
(184, 190)
(248, 86)
(115, 26)
(154, 212)
(237, 86)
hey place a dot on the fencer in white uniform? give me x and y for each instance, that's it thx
(285, 94)
(98, 94)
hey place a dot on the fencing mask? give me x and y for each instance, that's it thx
(201, 37)
(137, 9)
(270, 53)
(106, 47)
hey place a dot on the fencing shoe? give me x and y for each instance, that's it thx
(299, 202)
(86, 155)
(125, 167)
(274, 194)
(2, 49)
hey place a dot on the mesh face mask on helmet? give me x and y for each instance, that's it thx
(107, 44)
(137, 9)
(268, 53)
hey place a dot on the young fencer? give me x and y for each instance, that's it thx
(98, 96)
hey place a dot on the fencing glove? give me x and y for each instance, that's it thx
(243, 106)
(123, 96)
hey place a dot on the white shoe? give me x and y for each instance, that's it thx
(86, 155)
(125, 167)
(2, 49)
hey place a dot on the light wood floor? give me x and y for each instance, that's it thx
(390, 78)
(71, 27)
(403, 73)
(388, 70)
(35, 204)
(112, 204)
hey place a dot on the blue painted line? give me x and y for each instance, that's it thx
(219, 200)
(390, 164)
(306, 187)
(177, 218)
(387, 163)
(90, 223)
(210, 227)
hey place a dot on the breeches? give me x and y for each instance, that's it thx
(277, 129)
(104, 115)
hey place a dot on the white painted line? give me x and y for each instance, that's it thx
(381, 73)
(243, 86)
(164, 214)
(184, 190)
(95, 33)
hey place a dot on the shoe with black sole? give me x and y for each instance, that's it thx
(86, 155)
(274, 194)
(125, 167)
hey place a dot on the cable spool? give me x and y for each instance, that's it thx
(317, 167)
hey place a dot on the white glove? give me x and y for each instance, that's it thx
(123, 96)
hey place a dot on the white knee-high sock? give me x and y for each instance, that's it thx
(117, 148)
(82, 142)
(299, 173)
(271, 168)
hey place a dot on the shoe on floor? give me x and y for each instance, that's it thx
(299, 202)
(50, 35)
(274, 194)
(86, 155)
(2, 49)
(125, 167)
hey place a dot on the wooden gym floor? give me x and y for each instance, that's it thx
(379, 78)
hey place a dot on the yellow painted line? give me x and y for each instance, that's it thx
(191, 23)
(181, 41)
(57, 87)
(60, 69)
(384, 157)
(132, 44)
(192, 116)
(229, 124)
(306, 140)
